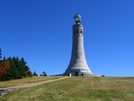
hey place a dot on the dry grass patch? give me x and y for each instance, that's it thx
(24, 81)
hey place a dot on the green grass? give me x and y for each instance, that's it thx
(24, 81)
(77, 89)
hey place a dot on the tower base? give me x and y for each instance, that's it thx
(78, 72)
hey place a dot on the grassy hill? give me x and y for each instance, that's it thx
(25, 81)
(77, 89)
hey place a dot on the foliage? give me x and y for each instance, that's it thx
(0, 53)
(14, 68)
(4, 67)
(29, 73)
(43, 74)
(35, 74)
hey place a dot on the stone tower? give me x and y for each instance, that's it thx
(78, 65)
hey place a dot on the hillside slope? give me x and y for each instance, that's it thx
(77, 89)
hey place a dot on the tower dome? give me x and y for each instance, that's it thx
(77, 18)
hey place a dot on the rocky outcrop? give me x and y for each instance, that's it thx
(4, 91)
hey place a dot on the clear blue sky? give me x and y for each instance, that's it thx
(41, 32)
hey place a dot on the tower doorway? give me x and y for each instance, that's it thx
(76, 73)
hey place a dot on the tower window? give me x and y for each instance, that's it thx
(77, 57)
(77, 32)
(81, 32)
(73, 32)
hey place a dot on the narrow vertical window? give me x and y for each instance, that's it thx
(81, 32)
(77, 32)
(73, 32)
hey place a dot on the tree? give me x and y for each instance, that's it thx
(29, 73)
(0, 53)
(4, 59)
(35, 74)
(13, 73)
(43, 74)
(4, 68)
(17, 66)
(14, 68)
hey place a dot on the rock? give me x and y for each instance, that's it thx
(0, 94)
(3, 91)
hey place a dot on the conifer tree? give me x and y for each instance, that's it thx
(35, 74)
(14, 68)
(43, 74)
(4, 59)
(13, 72)
(0, 54)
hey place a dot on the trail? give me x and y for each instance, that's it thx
(8, 89)
(37, 83)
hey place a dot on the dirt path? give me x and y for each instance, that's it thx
(37, 83)
(8, 89)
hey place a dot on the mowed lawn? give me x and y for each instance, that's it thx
(29, 80)
(77, 89)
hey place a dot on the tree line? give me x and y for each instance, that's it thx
(15, 68)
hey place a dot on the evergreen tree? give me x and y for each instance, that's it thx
(13, 73)
(4, 59)
(35, 74)
(14, 68)
(24, 67)
(0, 54)
(29, 73)
(17, 66)
(43, 74)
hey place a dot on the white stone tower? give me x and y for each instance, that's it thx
(78, 65)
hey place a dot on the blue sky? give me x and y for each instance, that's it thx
(41, 32)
